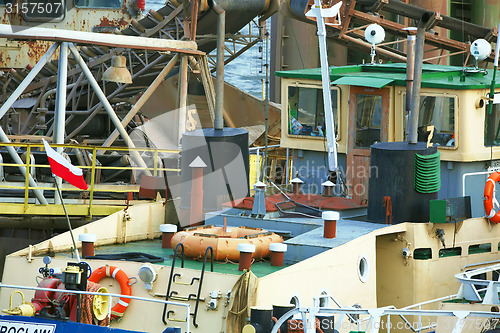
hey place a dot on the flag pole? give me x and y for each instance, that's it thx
(67, 219)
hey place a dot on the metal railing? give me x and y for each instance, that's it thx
(92, 171)
(413, 326)
(374, 320)
(470, 290)
(111, 295)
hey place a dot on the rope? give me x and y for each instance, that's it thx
(275, 321)
(87, 315)
(427, 173)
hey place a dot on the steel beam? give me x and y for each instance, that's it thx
(144, 97)
(109, 40)
(109, 109)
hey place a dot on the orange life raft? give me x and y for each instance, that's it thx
(225, 244)
(489, 191)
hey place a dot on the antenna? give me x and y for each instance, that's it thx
(374, 34)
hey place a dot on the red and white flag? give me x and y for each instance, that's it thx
(64, 169)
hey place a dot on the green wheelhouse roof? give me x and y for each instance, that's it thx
(371, 82)
(380, 75)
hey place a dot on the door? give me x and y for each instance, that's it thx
(368, 124)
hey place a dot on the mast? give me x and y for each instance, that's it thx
(331, 144)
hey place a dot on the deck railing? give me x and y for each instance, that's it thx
(151, 300)
(87, 205)
(373, 319)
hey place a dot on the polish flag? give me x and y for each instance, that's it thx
(64, 169)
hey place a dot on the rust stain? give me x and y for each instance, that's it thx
(313, 200)
(106, 22)
(36, 50)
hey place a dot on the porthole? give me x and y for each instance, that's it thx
(363, 268)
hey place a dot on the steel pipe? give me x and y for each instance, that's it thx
(219, 80)
(60, 115)
(410, 67)
(62, 78)
(109, 109)
(417, 78)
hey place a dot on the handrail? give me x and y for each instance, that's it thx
(201, 280)
(408, 324)
(374, 321)
(171, 278)
(186, 305)
(469, 291)
(93, 169)
(472, 174)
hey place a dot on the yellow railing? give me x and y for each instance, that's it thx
(86, 205)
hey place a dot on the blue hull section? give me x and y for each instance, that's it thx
(19, 324)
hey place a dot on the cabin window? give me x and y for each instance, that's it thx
(5, 2)
(491, 124)
(48, 10)
(422, 253)
(98, 3)
(480, 248)
(368, 120)
(450, 252)
(306, 115)
(438, 111)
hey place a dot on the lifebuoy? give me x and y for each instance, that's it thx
(489, 198)
(122, 278)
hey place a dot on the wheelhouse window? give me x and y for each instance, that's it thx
(437, 111)
(368, 120)
(306, 115)
(98, 3)
(42, 11)
(491, 127)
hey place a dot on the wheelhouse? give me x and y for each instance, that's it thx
(369, 105)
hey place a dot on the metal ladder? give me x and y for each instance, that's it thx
(171, 294)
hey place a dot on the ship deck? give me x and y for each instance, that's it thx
(153, 247)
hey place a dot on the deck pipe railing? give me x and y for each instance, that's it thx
(111, 295)
(94, 168)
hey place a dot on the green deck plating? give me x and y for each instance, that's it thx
(153, 247)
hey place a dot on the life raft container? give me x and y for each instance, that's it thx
(225, 244)
(122, 278)
(489, 198)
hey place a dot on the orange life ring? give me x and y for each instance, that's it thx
(489, 190)
(122, 278)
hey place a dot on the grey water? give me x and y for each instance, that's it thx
(248, 70)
